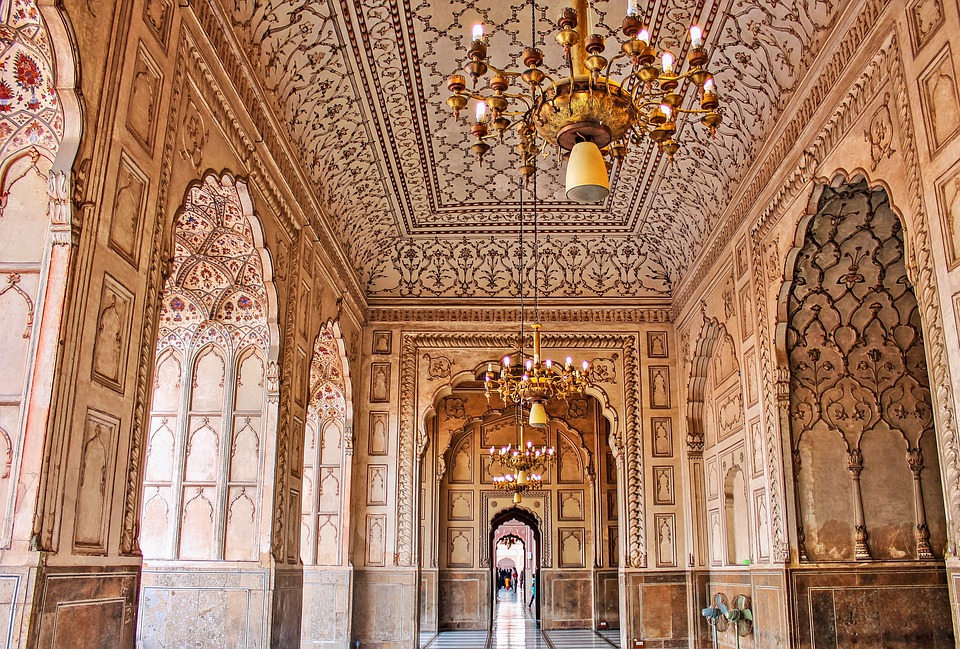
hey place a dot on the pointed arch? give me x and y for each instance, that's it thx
(327, 453)
(851, 338)
(711, 333)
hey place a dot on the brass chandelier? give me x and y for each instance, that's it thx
(509, 541)
(524, 463)
(532, 380)
(587, 114)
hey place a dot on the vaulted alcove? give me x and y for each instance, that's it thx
(204, 496)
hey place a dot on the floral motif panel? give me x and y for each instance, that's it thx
(30, 112)
(360, 90)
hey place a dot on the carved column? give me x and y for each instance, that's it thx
(271, 422)
(915, 461)
(855, 466)
(698, 557)
(346, 488)
(783, 409)
(35, 407)
(597, 521)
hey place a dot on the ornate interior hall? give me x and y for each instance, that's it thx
(320, 318)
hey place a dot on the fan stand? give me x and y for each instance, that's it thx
(716, 615)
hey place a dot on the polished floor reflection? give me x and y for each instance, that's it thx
(515, 628)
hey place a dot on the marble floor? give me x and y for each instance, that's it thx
(515, 628)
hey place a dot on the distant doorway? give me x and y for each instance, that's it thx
(515, 548)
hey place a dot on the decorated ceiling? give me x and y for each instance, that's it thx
(361, 86)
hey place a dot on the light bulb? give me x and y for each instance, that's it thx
(632, 8)
(478, 31)
(506, 361)
(644, 35)
(586, 365)
(548, 363)
(569, 360)
(696, 36)
(708, 85)
(529, 364)
(667, 60)
(667, 110)
(481, 111)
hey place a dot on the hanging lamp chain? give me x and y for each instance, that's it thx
(522, 270)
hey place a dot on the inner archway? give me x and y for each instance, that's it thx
(575, 513)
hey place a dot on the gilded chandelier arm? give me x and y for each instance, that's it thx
(589, 108)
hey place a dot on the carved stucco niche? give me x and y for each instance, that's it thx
(859, 389)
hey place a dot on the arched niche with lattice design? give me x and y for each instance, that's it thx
(203, 485)
(327, 454)
(865, 460)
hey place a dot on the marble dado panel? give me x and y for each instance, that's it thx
(390, 597)
(228, 608)
(429, 601)
(768, 592)
(895, 607)
(13, 592)
(87, 607)
(464, 600)
(327, 605)
(656, 608)
(566, 598)
(607, 597)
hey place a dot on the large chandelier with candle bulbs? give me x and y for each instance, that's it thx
(599, 109)
(524, 464)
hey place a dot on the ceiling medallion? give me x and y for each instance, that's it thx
(588, 114)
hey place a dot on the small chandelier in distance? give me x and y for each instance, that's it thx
(587, 114)
(509, 541)
(524, 463)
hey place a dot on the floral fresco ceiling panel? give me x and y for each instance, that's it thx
(361, 86)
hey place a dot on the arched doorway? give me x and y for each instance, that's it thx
(577, 513)
(516, 526)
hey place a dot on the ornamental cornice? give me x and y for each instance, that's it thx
(512, 315)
